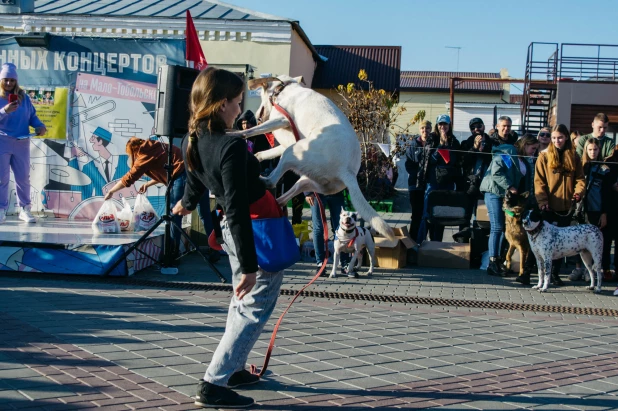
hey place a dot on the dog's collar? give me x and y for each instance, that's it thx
(353, 239)
(278, 89)
(510, 213)
(536, 230)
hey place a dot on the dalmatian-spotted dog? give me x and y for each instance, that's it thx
(549, 242)
(352, 239)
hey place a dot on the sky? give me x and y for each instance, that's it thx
(492, 34)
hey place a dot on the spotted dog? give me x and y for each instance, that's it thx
(549, 242)
(352, 239)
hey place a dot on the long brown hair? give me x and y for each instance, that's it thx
(526, 140)
(585, 157)
(211, 89)
(567, 163)
(133, 146)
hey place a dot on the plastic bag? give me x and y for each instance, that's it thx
(106, 220)
(125, 216)
(144, 215)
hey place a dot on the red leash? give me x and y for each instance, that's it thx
(271, 344)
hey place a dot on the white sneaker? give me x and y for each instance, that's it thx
(26, 215)
(2, 216)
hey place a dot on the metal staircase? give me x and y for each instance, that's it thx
(540, 86)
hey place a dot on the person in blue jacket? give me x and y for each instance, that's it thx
(505, 173)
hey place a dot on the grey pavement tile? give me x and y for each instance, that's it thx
(491, 405)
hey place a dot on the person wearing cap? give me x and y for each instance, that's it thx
(441, 170)
(103, 169)
(476, 163)
(16, 118)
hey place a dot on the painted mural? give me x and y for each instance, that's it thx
(108, 88)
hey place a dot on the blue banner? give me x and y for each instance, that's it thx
(128, 59)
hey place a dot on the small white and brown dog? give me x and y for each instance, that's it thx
(352, 239)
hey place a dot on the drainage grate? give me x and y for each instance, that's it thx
(444, 302)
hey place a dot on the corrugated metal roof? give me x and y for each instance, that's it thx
(439, 80)
(200, 9)
(382, 64)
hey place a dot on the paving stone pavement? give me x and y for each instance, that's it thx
(66, 344)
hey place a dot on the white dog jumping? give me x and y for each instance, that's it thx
(549, 242)
(352, 239)
(327, 155)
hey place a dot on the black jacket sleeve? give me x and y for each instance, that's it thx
(194, 190)
(236, 202)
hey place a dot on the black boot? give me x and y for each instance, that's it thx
(524, 278)
(494, 268)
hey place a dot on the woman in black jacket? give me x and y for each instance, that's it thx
(439, 170)
(416, 188)
(232, 173)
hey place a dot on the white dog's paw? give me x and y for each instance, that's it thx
(597, 290)
(535, 287)
(258, 155)
(543, 290)
(369, 273)
(590, 287)
(332, 275)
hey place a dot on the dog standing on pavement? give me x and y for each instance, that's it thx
(352, 239)
(549, 242)
(327, 155)
(514, 206)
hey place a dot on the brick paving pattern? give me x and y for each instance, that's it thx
(70, 345)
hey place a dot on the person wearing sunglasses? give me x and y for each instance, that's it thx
(600, 125)
(544, 138)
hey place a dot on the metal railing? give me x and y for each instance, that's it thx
(589, 62)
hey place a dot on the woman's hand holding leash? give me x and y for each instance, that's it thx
(577, 198)
(244, 287)
(310, 200)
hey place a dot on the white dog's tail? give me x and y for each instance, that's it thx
(364, 209)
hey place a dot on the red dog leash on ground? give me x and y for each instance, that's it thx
(271, 344)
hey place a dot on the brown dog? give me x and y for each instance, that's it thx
(514, 206)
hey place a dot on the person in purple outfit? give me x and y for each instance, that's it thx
(17, 114)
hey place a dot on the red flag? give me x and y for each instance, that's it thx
(271, 139)
(446, 155)
(194, 49)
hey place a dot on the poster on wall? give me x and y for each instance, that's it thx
(50, 104)
(110, 96)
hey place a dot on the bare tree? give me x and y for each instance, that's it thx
(373, 114)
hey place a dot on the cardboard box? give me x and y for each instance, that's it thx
(393, 253)
(444, 255)
(481, 212)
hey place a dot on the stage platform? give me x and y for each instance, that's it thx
(61, 246)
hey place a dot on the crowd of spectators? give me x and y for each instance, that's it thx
(562, 172)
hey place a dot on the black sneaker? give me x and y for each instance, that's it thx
(242, 377)
(214, 396)
(324, 273)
